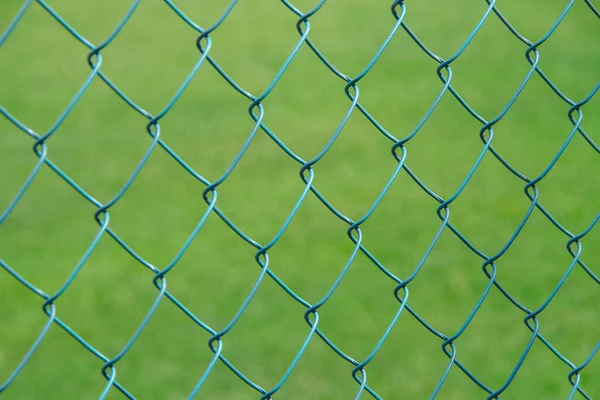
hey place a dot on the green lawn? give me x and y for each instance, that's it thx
(101, 141)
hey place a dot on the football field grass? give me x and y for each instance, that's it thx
(99, 144)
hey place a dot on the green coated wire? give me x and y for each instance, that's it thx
(307, 174)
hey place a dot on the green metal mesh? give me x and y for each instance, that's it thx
(306, 170)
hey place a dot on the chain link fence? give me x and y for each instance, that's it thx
(398, 12)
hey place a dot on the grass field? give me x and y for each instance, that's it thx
(99, 144)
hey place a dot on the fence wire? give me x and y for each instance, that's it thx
(398, 11)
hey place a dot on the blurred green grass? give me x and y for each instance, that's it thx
(99, 144)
